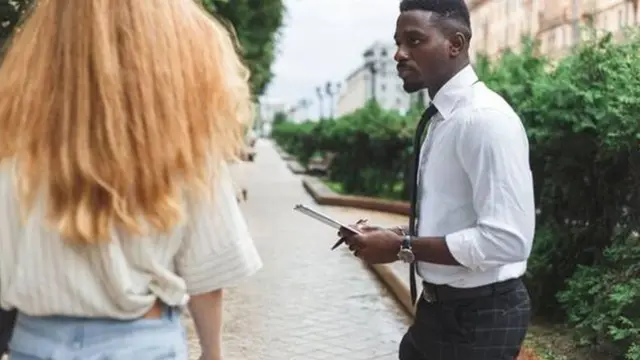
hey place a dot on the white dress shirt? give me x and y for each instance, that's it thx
(476, 187)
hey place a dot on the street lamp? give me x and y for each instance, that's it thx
(332, 89)
(320, 101)
(372, 64)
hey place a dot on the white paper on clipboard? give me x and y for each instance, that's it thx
(323, 218)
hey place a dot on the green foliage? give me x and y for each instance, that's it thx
(295, 138)
(279, 118)
(373, 147)
(256, 23)
(583, 123)
(11, 11)
(603, 300)
(581, 116)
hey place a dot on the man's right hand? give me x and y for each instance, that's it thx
(400, 230)
(365, 228)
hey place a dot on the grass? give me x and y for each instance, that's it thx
(556, 342)
(335, 186)
(395, 193)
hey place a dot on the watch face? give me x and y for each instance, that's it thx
(406, 255)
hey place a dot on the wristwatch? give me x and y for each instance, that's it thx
(406, 254)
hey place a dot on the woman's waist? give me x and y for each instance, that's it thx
(157, 310)
(87, 332)
(92, 301)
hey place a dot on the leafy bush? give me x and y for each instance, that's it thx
(296, 139)
(373, 147)
(583, 122)
(602, 300)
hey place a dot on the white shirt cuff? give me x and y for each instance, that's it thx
(463, 247)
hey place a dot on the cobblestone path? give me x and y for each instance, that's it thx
(307, 302)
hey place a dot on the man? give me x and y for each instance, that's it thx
(475, 213)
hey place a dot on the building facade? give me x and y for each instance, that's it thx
(301, 112)
(376, 78)
(557, 24)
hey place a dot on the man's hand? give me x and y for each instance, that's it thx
(375, 245)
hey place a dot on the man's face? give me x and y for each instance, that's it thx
(423, 53)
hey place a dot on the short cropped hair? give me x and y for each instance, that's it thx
(452, 15)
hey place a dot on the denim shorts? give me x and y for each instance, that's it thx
(66, 338)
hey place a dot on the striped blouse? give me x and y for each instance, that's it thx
(41, 275)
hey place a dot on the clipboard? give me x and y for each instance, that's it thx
(324, 218)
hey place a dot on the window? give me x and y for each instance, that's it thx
(622, 21)
(589, 20)
(383, 87)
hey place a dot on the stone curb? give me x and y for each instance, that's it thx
(283, 154)
(323, 195)
(396, 285)
(295, 167)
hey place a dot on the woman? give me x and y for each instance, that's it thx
(117, 120)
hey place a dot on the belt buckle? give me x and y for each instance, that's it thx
(428, 296)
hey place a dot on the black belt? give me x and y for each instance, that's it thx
(439, 293)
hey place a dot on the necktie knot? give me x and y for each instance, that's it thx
(430, 112)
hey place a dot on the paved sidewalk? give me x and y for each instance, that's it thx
(307, 302)
(349, 215)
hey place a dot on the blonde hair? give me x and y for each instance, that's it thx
(111, 108)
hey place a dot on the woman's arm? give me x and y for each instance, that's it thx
(217, 253)
(206, 311)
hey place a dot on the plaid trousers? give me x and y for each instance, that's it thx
(487, 328)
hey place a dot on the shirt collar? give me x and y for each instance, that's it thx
(453, 90)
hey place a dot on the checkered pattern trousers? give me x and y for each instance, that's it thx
(487, 328)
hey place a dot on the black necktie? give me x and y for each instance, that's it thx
(417, 145)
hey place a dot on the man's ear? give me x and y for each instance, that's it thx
(457, 44)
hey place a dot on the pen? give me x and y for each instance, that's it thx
(342, 239)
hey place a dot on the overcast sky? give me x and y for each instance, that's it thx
(323, 40)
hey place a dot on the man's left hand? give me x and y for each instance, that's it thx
(375, 245)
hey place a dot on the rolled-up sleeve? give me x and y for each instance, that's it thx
(217, 251)
(494, 152)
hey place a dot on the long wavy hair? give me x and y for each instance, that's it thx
(112, 108)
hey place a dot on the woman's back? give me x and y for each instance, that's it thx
(118, 118)
(41, 274)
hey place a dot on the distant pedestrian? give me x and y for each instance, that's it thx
(473, 216)
(117, 209)
(238, 169)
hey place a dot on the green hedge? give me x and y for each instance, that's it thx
(583, 121)
(373, 148)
